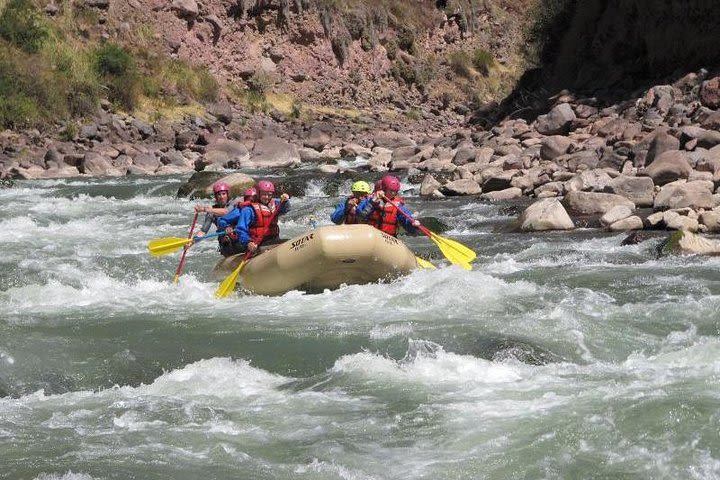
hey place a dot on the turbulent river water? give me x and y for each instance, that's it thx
(560, 356)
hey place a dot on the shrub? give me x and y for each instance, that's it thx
(260, 82)
(483, 61)
(112, 59)
(406, 40)
(414, 114)
(22, 25)
(418, 75)
(459, 62)
(193, 82)
(296, 109)
(17, 111)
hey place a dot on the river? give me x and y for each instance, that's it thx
(560, 356)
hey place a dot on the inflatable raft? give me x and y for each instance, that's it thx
(324, 258)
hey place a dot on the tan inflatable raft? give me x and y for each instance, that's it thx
(320, 259)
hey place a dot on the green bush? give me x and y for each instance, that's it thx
(460, 63)
(112, 59)
(18, 111)
(22, 25)
(483, 61)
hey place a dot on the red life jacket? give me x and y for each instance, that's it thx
(386, 217)
(265, 226)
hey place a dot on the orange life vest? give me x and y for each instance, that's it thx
(385, 218)
(265, 226)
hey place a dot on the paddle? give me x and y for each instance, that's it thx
(422, 263)
(179, 268)
(166, 245)
(228, 285)
(455, 252)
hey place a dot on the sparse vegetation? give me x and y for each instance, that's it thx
(23, 26)
(46, 76)
(466, 64)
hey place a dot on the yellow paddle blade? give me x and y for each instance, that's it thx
(228, 285)
(452, 255)
(461, 251)
(163, 246)
(422, 263)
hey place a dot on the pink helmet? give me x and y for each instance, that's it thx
(249, 193)
(390, 182)
(221, 187)
(265, 186)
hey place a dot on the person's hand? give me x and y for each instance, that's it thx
(252, 246)
(352, 202)
(416, 223)
(200, 234)
(200, 208)
(284, 197)
(379, 195)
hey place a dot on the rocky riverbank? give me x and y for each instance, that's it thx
(659, 152)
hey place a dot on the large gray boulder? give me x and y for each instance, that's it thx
(639, 190)
(668, 167)
(545, 214)
(695, 195)
(591, 203)
(274, 152)
(557, 121)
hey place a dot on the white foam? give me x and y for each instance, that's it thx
(69, 475)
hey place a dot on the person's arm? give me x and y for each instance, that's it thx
(366, 207)
(338, 216)
(410, 226)
(207, 223)
(231, 218)
(247, 217)
(284, 205)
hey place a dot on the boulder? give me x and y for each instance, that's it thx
(615, 214)
(668, 167)
(590, 203)
(661, 143)
(674, 221)
(226, 153)
(557, 121)
(554, 146)
(639, 190)
(274, 152)
(545, 214)
(630, 223)
(429, 186)
(695, 195)
(464, 186)
(498, 195)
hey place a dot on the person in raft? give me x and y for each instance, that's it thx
(222, 206)
(256, 224)
(346, 211)
(381, 209)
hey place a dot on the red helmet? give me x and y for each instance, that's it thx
(391, 183)
(249, 193)
(265, 186)
(221, 187)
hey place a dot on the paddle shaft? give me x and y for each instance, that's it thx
(181, 264)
